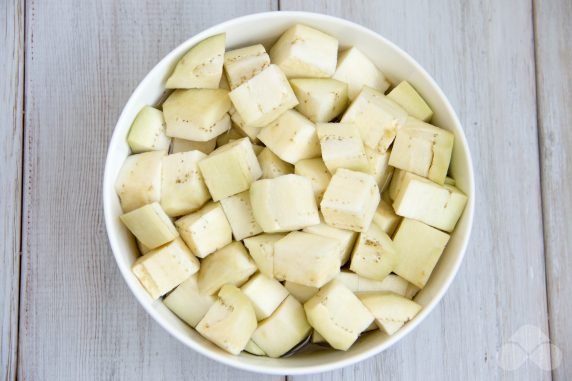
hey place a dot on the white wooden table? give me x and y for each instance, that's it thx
(67, 69)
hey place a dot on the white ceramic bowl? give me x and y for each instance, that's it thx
(397, 65)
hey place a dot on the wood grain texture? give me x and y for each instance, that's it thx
(11, 132)
(481, 53)
(554, 81)
(78, 319)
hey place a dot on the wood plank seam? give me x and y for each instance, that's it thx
(543, 179)
(12, 153)
(27, 171)
(540, 174)
(23, 183)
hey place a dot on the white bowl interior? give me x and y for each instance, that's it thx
(265, 28)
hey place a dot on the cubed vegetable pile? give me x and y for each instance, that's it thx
(287, 195)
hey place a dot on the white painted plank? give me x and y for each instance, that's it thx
(78, 318)
(11, 134)
(481, 53)
(554, 80)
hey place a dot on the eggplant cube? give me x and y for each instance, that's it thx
(284, 203)
(230, 169)
(321, 99)
(242, 64)
(147, 133)
(261, 249)
(305, 52)
(230, 322)
(378, 118)
(150, 225)
(265, 293)
(350, 200)
(419, 247)
(197, 114)
(238, 211)
(407, 97)
(338, 315)
(188, 303)
(391, 311)
(342, 147)
(292, 137)
(183, 188)
(423, 149)
(307, 259)
(285, 328)
(229, 265)
(164, 268)
(206, 230)
(355, 69)
(439, 206)
(201, 66)
(139, 180)
(374, 255)
(263, 98)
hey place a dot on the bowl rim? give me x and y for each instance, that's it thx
(235, 360)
